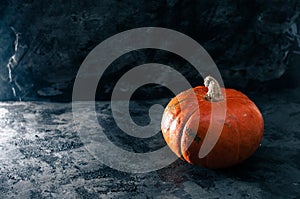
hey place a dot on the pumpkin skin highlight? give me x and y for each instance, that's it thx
(184, 131)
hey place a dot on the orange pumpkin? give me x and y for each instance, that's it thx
(184, 127)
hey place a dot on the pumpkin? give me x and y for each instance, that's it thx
(185, 123)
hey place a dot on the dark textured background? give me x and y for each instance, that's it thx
(254, 43)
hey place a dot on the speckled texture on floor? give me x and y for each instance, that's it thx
(42, 156)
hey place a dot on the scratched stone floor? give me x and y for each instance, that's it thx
(42, 156)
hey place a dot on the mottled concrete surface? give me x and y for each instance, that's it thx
(42, 156)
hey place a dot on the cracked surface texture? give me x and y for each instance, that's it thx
(42, 156)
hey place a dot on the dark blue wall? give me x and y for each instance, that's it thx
(254, 44)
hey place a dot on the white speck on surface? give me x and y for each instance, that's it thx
(3, 111)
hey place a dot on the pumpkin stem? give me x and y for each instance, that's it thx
(214, 93)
